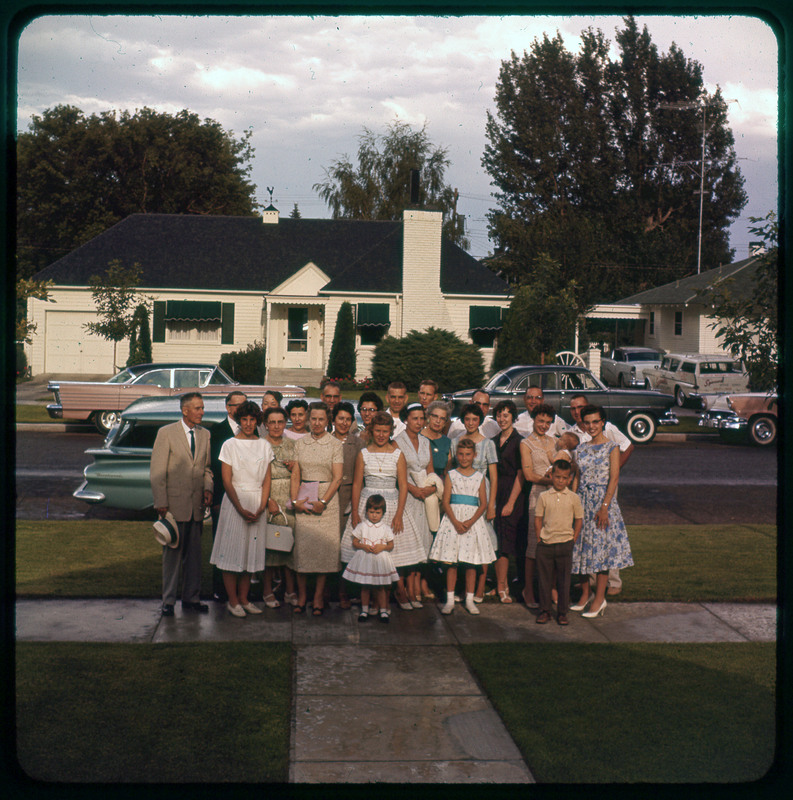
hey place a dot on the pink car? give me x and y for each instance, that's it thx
(745, 413)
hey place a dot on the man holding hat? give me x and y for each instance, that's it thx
(181, 483)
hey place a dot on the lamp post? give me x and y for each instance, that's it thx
(687, 105)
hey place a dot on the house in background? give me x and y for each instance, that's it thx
(675, 317)
(220, 283)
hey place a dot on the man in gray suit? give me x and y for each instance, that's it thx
(181, 482)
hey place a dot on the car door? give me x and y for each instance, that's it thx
(567, 384)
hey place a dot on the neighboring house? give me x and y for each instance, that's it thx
(220, 283)
(675, 316)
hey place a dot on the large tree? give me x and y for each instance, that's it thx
(597, 165)
(78, 175)
(379, 186)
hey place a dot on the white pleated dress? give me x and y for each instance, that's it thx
(380, 477)
(372, 569)
(240, 546)
(417, 460)
(474, 546)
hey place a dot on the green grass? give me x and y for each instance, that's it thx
(33, 413)
(686, 425)
(685, 563)
(635, 712)
(216, 712)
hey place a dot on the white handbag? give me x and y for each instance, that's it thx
(279, 537)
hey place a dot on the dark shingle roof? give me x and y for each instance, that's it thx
(687, 290)
(243, 253)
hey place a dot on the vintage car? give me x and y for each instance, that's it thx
(636, 412)
(119, 474)
(691, 377)
(103, 401)
(743, 416)
(624, 366)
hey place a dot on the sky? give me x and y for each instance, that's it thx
(307, 86)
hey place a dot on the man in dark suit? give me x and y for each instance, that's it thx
(219, 434)
(181, 482)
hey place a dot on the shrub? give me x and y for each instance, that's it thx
(245, 366)
(140, 338)
(22, 361)
(341, 363)
(435, 353)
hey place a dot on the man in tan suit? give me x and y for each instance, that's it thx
(181, 482)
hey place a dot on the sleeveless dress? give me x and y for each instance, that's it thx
(380, 477)
(417, 460)
(372, 569)
(542, 450)
(279, 491)
(598, 550)
(240, 546)
(485, 454)
(508, 468)
(474, 546)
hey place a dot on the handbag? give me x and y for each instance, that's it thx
(279, 537)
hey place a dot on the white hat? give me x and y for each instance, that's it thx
(166, 531)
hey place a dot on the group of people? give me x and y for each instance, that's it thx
(403, 502)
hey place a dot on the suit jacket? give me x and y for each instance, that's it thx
(177, 479)
(219, 434)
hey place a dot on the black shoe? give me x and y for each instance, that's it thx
(220, 597)
(167, 611)
(201, 608)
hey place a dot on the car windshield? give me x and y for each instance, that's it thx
(644, 356)
(499, 381)
(122, 377)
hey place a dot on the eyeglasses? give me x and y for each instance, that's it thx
(437, 416)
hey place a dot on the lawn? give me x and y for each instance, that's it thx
(624, 713)
(33, 413)
(202, 713)
(686, 563)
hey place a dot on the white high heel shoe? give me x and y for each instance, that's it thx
(582, 606)
(598, 613)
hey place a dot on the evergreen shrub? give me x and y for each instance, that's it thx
(245, 366)
(341, 363)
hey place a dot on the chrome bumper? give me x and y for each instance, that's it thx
(670, 418)
(55, 410)
(89, 497)
(724, 423)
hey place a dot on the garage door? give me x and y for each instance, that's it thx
(70, 349)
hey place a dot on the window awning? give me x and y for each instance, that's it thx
(484, 318)
(373, 315)
(193, 310)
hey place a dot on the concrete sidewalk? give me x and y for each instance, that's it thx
(393, 703)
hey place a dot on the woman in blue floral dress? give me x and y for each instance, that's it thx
(603, 543)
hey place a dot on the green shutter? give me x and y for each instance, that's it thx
(484, 318)
(227, 324)
(158, 321)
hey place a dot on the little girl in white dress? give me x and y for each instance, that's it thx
(463, 536)
(371, 564)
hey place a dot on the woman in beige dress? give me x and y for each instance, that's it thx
(319, 458)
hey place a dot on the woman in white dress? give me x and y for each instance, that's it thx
(418, 455)
(239, 547)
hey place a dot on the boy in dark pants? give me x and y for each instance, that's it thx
(557, 523)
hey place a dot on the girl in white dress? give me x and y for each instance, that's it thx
(239, 547)
(371, 564)
(463, 536)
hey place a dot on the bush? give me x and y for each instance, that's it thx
(245, 366)
(22, 362)
(140, 338)
(435, 353)
(341, 363)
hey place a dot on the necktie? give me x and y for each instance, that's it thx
(192, 443)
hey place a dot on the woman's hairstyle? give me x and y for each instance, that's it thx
(297, 403)
(370, 397)
(464, 443)
(509, 406)
(436, 405)
(276, 394)
(344, 405)
(410, 408)
(248, 409)
(270, 411)
(590, 409)
(381, 418)
(545, 410)
(318, 405)
(472, 408)
(376, 501)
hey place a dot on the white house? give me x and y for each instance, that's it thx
(217, 284)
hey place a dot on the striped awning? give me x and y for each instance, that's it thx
(193, 311)
(373, 315)
(484, 318)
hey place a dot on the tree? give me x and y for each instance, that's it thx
(748, 322)
(139, 337)
(27, 288)
(79, 175)
(598, 168)
(115, 295)
(434, 353)
(379, 187)
(541, 318)
(295, 213)
(341, 363)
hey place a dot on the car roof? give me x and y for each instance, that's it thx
(636, 349)
(169, 365)
(702, 356)
(543, 368)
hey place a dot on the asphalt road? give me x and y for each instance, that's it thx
(699, 481)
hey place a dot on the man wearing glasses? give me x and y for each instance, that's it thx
(524, 424)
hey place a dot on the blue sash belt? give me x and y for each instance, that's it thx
(464, 500)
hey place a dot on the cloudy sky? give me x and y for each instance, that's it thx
(306, 87)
